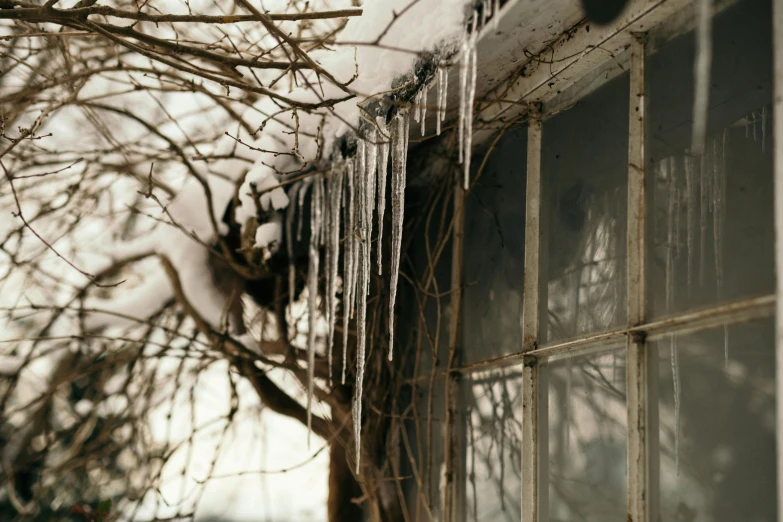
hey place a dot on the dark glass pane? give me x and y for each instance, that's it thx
(584, 194)
(711, 214)
(717, 425)
(494, 253)
(422, 319)
(587, 432)
(493, 443)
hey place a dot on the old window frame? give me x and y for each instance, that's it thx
(641, 366)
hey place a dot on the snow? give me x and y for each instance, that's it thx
(10, 365)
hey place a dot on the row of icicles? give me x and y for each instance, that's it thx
(354, 191)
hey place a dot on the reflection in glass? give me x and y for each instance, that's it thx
(587, 437)
(494, 254)
(494, 456)
(717, 425)
(584, 176)
(712, 234)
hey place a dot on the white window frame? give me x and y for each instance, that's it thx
(582, 55)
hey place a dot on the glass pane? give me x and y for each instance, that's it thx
(587, 437)
(711, 211)
(494, 439)
(494, 254)
(717, 425)
(584, 194)
(421, 317)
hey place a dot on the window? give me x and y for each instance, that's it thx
(617, 342)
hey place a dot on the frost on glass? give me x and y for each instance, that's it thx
(494, 254)
(717, 426)
(584, 400)
(493, 442)
(711, 213)
(584, 176)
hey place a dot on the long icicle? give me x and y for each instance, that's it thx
(312, 294)
(690, 200)
(463, 91)
(669, 168)
(441, 98)
(383, 165)
(468, 72)
(333, 254)
(399, 160)
(718, 210)
(371, 163)
(361, 293)
(423, 108)
(358, 179)
(348, 258)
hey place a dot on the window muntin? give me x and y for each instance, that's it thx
(584, 161)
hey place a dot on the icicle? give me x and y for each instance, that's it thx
(754, 127)
(496, 15)
(719, 198)
(670, 286)
(423, 107)
(358, 224)
(677, 205)
(701, 73)
(289, 239)
(302, 193)
(312, 294)
(383, 165)
(399, 160)
(365, 194)
(467, 95)
(677, 399)
(349, 258)
(717, 212)
(463, 98)
(567, 403)
(417, 107)
(484, 12)
(670, 227)
(764, 129)
(703, 206)
(333, 254)
(371, 162)
(445, 94)
(690, 200)
(439, 112)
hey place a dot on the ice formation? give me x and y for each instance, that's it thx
(353, 188)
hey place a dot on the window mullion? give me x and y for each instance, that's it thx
(777, 29)
(642, 480)
(530, 307)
